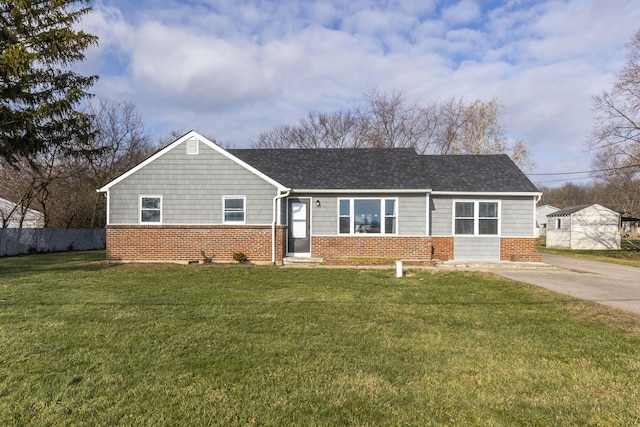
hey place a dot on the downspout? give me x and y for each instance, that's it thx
(536, 199)
(275, 220)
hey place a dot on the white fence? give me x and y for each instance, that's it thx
(19, 241)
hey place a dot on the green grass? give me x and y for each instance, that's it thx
(82, 343)
(629, 254)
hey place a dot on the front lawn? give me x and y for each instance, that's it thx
(82, 343)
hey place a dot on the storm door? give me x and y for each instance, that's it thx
(299, 230)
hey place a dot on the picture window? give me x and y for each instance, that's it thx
(367, 216)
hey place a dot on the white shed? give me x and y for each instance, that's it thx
(541, 217)
(15, 216)
(588, 227)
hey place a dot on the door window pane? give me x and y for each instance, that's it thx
(299, 229)
(299, 220)
(298, 211)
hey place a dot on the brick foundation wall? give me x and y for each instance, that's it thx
(519, 249)
(442, 248)
(186, 243)
(397, 247)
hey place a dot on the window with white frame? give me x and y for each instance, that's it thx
(488, 218)
(234, 209)
(558, 223)
(150, 209)
(476, 218)
(464, 217)
(359, 216)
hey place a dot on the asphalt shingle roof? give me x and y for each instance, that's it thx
(380, 169)
(475, 173)
(340, 168)
(569, 210)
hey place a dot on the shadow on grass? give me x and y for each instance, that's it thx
(25, 265)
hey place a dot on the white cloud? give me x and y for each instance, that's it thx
(194, 71)
(464, 12)
(234, 69)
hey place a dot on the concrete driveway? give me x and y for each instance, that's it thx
(605, 283)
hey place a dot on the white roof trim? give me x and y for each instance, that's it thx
(211, 144)
(484, 193)
(356, 190)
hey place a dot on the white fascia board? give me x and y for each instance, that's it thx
(356, 190)
(209, 143)
(483, 193)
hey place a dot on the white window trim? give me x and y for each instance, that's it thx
(197, 146)
(244, 210)
(149, 196)
(383, 216)
(476, 217)
(558, 222)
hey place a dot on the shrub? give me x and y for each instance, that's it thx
(240, 257)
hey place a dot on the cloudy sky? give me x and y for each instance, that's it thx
(233, 68)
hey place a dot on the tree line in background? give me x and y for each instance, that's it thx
(62, 185)
(615, 144)
(381, 120)
(621, 196)
(57, 146)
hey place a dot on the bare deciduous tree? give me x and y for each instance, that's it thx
(63, 186)
(385, 121)
(615, 139)
(616, 135)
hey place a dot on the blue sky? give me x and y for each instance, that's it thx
(233, 68)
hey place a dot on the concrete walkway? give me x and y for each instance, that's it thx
(610, 284)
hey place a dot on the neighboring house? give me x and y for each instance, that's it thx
(194, 201)
(15, 216)
(584, 227)
(541, 217)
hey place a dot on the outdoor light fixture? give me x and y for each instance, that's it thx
(318, 203)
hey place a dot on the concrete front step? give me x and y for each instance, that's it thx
(293, 260)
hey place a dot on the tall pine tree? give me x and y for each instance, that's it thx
(39, 91)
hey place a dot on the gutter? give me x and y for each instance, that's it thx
(275, 220)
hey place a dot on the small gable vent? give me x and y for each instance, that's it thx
(192, 146)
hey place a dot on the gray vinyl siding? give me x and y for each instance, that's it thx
(412, 215)
(441, 214)
(192, 189)
(411, 212)
(476, 248)
(518, 217)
